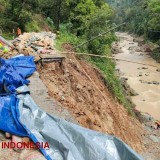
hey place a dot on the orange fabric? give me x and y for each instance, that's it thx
(19, 31)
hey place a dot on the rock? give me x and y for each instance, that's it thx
(141, 81)
(62, 98)
(144, 68)
(124, 83)
(155, 82)
(138, 50)
(141, 54)
(140, 40)
(7, 135)
(116, 50)
(147, 117)
(158, 70)
(2, 136)
(124, 79)
(133, 92)
(147, 48)
(79, 87)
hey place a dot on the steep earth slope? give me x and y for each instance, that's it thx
(80, 87)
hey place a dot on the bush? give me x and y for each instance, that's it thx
(65, 36)
(32, 27)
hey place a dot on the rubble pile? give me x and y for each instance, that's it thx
(33, 44)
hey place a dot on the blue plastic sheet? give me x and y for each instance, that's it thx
(8, 116)
(13, 72)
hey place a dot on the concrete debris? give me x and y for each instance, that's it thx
(35, 44)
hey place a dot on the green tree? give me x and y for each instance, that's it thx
(100, 22)
(154, 19)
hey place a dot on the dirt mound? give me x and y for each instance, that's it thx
(81, 88)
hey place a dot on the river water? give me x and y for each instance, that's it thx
(144, 79)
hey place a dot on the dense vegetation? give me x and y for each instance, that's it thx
(141, 16)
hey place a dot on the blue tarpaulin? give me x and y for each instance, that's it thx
(13, 72)
(20, 115)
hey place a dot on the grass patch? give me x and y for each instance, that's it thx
(39, 23)
(32, 26)
(7, 36)
(66, 37)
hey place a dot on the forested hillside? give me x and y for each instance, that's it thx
(84, 18)
(141, 16)
(21, 13)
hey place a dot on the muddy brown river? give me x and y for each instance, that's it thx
(144, 79)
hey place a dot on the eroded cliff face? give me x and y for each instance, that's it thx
(81, 89)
